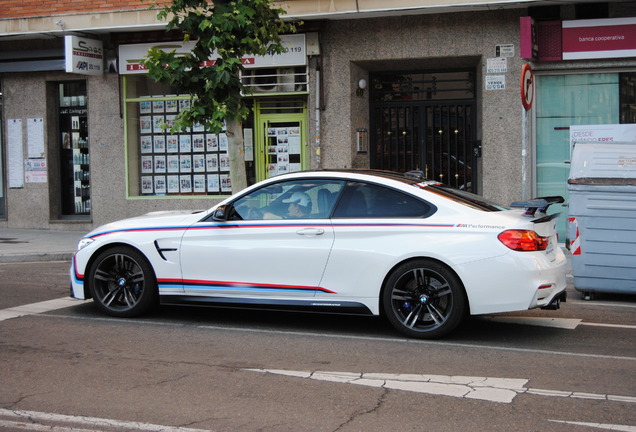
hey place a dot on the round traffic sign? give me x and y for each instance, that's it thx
(527, 86)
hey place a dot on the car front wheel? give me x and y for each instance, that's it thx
(424, 299)
(122, 282)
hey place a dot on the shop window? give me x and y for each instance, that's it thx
(162, 162)
(74, 149)
(576, 99)
(628, 97)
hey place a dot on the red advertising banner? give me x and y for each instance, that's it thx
(596, 39)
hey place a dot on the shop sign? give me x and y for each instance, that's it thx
(84, 56)
(130, 56)
(528, 45)
(597, 39)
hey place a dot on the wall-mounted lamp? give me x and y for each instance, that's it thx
(362, 84)
(362, 141)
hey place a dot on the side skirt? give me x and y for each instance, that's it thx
(336, 307)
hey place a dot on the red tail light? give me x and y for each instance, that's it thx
(523, 240)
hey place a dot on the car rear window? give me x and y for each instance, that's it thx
(365, 200)
(462, 197)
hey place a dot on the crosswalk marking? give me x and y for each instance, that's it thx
(492, 389)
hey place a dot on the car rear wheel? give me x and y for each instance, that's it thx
(122, 282)
(424, 299)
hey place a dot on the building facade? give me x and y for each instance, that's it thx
(428, 87)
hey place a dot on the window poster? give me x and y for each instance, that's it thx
(198, 183)
(160, 184)
(213, 183)
(173, 184)
(146, 143)
(146, 184)
(160, 164)
(146, 164)
(172, 163)
(185, 183)
(226, 184)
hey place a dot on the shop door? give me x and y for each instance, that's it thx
(73, 145)
(423, 122)
(280, 144)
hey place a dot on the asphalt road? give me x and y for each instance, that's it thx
(65, 367)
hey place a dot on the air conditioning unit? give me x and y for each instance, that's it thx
(264, 80)
(286, 80)
(280, 80)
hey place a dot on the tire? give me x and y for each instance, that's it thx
(423, 299)
(122, 282)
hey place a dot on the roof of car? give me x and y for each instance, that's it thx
(414, 176)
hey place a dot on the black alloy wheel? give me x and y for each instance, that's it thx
(424, 299)
(122, 282)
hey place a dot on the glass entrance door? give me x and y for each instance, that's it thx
(280, 137)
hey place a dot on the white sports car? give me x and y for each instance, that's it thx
(370, 242)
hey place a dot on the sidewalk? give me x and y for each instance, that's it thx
(27, 245)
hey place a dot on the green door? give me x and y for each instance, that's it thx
(280, 143)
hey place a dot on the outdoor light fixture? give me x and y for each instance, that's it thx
(362, 84)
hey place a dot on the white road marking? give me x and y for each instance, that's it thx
(38, 308)
(502, 390)
(33, 420)
(611, 427)
(624, 326)
(563, 323)
(602, 303)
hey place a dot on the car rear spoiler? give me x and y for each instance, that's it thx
(540, 204)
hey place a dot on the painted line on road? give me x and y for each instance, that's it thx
(491, 389)
(38, 308)
(33, 419)
(612, 427)
(601, 303)
(624, 326)
(563, 323)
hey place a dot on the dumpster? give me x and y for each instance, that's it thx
(602, 217)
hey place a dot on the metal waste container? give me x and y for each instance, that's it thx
(602, 217)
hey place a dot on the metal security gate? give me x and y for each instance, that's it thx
(425, 122)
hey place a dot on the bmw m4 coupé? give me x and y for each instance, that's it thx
(420, 253)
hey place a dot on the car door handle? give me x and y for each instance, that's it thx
(310, 231)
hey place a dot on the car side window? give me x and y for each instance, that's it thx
(364, 200)
(298, 199)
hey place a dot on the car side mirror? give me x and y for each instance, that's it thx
(219, 214)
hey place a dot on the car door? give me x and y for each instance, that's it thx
(263, 249)
(374, 227)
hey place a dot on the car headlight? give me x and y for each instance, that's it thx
(84, 242)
